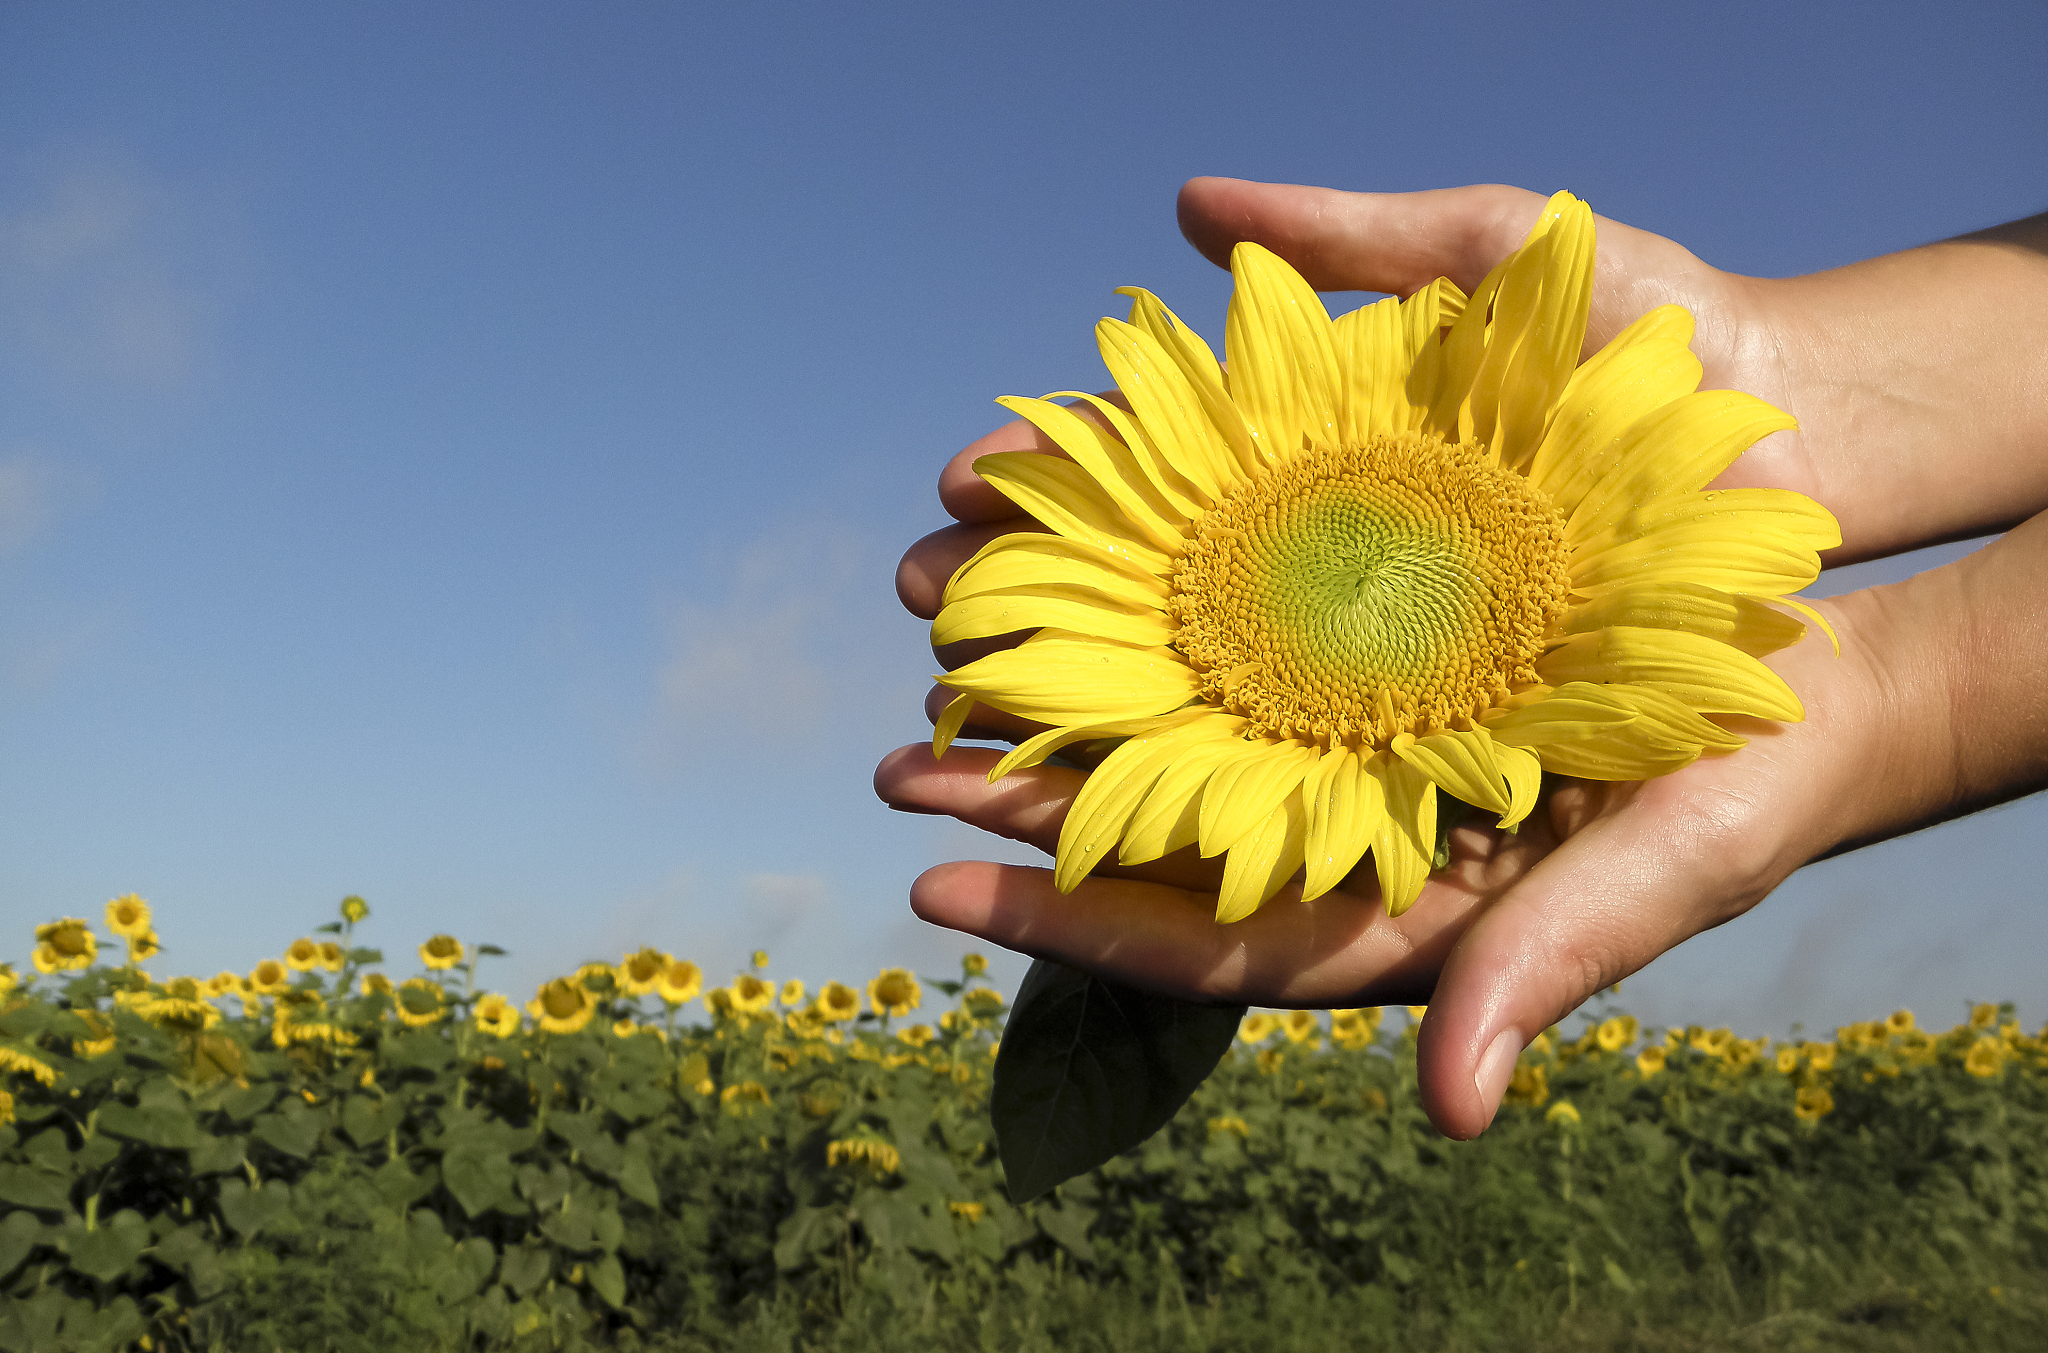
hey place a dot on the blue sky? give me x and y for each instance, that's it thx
(457, 454)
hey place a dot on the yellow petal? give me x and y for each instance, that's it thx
(1108, 796)
(1423, 317)
(1570, 713)
(1547, 347)
(1110, 463)
(1243, 792)
(1027, 557)
(1039, 746)
(1404, 847)
(1185, 501)
(1744, 622)
(1197, 362)
(1078, 681)
(1439, 383)
(1346, 808)
(1169, 408)
(1612, 761)
(951, 720)
(1524, 773)
(1459, 762)
(1643, 368)
(1372, 354)
(1283, 364)
(1170, 818)
(1665, 720)
(1260, 864)
(1707, 676)
(988, 614)
(1067, 501)
(1676, 449)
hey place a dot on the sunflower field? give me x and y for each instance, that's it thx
(316, 1155)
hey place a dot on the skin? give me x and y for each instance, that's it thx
(1922, 392)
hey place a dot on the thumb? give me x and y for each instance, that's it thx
(1654, 872)
(1339, 241)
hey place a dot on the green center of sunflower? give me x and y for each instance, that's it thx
(1355, 593)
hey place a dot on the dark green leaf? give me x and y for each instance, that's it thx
(26, 1020)
(218, 1155)
(636, 1180)
(479, 1180)
(113, 1326)
(608, 1280)
(367, 1119)
(25, 1186)
(247, 1211)
(1068, 1224)
(1089, 1069)
(189, 1248)
(363, 958)
(106, 1251)
(157, 1125)
(490, 951)
(331, 928)
(245, 1104)
(294, 1131)
(525, 1268)
(20, 1232)
(465, 1270)
(397, 1185)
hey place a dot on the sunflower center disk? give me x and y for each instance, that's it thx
(1359, 592)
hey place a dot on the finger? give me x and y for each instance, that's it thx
(968, 497)
(1029, 805)
(927, 566)
(1669, 862)
(1400, 242)
(1337, 950)
(983, 723)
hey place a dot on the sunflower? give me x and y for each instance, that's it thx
(639, 973)
(1417, 548)
(180, 1006)
(99, 1037)
(1302, 1026)
(1812, 1103)
(1354, 1029)
(894, 992)
(128, 915)
(441, 951)
(27, 1064)
(354, 910)
(9, 980)
(496, 1015)
(421, 1002)
(1258, 1027)
(376, 984)
(562, 1006)
(64, 945)
(679, 982)
(751, 993)
(269, 977)
(838, 1002)
(1650, 1060)
(1986, 1057)
(793, 992)
(302, 955)
(332, 956)
(144, 945)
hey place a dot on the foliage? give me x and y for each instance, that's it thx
(341, 1162)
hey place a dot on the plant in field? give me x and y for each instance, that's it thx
(894, 993)
(441, 951)
(64, 946)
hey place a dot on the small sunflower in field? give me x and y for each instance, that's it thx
(1416, 549)
(269, 978)
(354, 910)
(1787, 1060)
(794, 993)
(1812, 1103)
(181, 1005)
(9, 980)
(1617, 1033)
(144, 945)
(421, 1002)
(375, 984)
(99, 1037)
(25, 1063)
(332, 956)
(1354, 1029)
(1900, 1022)
(1986, 1057)
(894, 992)
(679, 982)
(441, 951)
(751, 994)
(563, 1006)
(64, 946)
(1302, 1026)
(639, 972)
(838, 1002)
(1650, 1061)
(916, 1035)
(1563, 1112)
(868, 1154)
(302, 955)
(1258, 1026)
(128, 915)
(496, 1016)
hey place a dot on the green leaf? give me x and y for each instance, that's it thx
(331, 928)
(113, 1326)
(25, 1186)
(398, 1186)
(1619, 1277)
(480, 1180)
(245, 1104)
(106, 1252)
(489, 951)
(189, 1248)
(525, 1267)
(363, 958)
(294, 1130)
(465, 1270)
(1089, 1069)
(20, 1232)
(608, 1279)
(367, 1119)
(248, 1210)
(156, 1125)
(26, 1020)
(1067, 1224)
(218, 1155)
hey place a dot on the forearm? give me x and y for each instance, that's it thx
(1920, 380)
(1953, 712)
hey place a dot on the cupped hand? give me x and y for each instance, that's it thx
(1518, 931)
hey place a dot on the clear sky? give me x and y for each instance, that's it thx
(457, 453)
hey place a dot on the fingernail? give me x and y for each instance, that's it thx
(1496, 1069)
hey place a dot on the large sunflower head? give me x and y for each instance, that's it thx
(1417, 548)
(128, 915)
